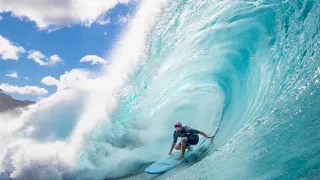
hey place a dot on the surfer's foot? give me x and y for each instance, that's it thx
(179, 158)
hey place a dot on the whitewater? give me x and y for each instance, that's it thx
(245, 71)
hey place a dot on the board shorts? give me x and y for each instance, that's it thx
(192, 140)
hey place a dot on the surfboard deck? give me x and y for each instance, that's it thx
(167, 163)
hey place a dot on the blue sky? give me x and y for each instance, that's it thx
(65, 41)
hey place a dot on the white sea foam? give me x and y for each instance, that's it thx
(44, 141)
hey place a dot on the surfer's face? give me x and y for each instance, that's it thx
(178, 128)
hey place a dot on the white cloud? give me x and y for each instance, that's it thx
(74, 79)
(103, 21)
(47, 13)
(42, 60)
(13, 75)
(93, 59)
(26, 78)
(32, 90)
(1, 18)
(49, 81)
(124, 19)
(8, 50)
(37, 56)
(55, 59)
(105, 33)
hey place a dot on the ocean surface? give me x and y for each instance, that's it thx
(245, 71)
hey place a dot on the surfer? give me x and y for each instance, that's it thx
(188, 137)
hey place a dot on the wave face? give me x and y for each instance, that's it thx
(247, 71)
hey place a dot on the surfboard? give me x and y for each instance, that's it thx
(168, 162)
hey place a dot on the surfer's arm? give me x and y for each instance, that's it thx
(204, 134)
(175, 139)
(199, 132)
(172, 146)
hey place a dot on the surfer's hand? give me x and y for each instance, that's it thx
(204, 134)
(169, 153)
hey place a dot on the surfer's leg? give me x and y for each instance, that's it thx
(178, 146)
(193, 140)
(183, 147)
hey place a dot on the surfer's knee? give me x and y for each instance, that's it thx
(184, 139)
(177, 147)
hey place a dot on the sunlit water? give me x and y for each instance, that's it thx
(247, 71)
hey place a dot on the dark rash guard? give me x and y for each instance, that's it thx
(185, 132)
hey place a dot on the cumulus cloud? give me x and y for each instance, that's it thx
(124, 19)
(103, 21)
(8, 50)
(48, 13)
(49, 81)
(94, 59)
(37, 56)
(42, 60)
(31, 90)
(74, 79)
(13, 75)
(55, 59)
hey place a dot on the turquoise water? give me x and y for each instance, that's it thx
(252, 65)
(246, 71)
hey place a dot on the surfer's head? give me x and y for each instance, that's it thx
(178, 126)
